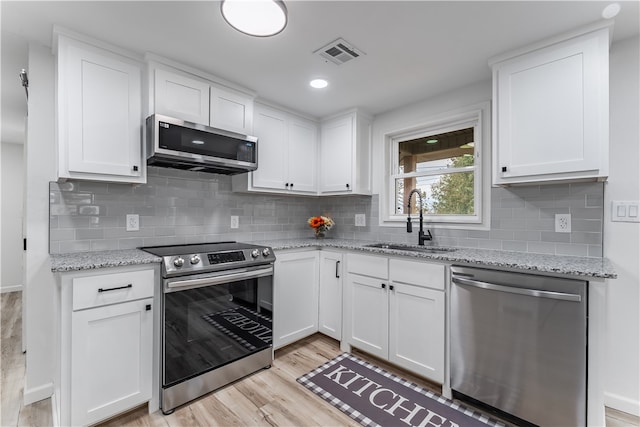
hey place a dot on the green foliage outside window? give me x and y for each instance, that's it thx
(454, 193)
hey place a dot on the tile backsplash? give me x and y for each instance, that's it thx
(187, 207)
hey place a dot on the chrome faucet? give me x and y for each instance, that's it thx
(421, 235)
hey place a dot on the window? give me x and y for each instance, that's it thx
(443, 162)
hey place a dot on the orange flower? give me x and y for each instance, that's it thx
(316, 222)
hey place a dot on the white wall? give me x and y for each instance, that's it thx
(12, 191)
(420, 113)
(622, 240)
(38, 292)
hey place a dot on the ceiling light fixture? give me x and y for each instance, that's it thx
(432, 141)
(611, 11)
(318, 83)
(260, 18)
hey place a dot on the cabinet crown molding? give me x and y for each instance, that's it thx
(599, 25)
(65, 32)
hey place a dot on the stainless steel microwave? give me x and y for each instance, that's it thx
(174, 143)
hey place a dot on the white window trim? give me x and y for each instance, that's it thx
(478, 116)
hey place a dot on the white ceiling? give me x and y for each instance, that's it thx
(414, 49)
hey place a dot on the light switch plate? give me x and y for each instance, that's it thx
(235, 221)
(563, 223)
(625, 211)
(133, 222)
(361, 220)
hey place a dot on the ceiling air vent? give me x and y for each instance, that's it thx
(339, 51)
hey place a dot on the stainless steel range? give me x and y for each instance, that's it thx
(217, 307)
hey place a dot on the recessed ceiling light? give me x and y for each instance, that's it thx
(611, 11)
(260, 18)
(432, 141)
(318, 83)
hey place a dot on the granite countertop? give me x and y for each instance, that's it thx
(100, 259)
(555, 264)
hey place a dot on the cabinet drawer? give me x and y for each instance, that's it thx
(417, 273)
(367, 265)
(95, 291)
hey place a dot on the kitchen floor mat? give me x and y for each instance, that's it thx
(374, 397)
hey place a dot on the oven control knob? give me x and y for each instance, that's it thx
(266, 252)
(178, 262)
(195, 259)
(255, 253)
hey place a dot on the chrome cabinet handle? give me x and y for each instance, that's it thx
(115, 289)
(513, 290)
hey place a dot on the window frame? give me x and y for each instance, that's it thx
(476, 116)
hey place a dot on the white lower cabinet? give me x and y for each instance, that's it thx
(330, 295)
(295, 296)
(106, 355)
(395, 310)
(368, 314)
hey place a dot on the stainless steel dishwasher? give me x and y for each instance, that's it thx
(519, 344)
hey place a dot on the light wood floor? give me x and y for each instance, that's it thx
(271, 397)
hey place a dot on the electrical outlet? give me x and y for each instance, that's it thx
(133, 222)
(361, 220)
(563, 223)
(235, 221)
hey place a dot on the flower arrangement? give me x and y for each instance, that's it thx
(320, 224)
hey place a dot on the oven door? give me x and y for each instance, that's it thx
(211, 320)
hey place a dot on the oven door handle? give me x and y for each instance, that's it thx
(227, 277)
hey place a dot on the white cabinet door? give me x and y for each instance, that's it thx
(270, 126)
(336, 155)
(416, 330)
(295, 297)
(551, 112)
(302, 153)
(231, 111)
(330, 299)
(99, 114)
(181, 97)
(368, 314)
(111, 360)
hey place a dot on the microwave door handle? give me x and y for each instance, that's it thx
(219, 279)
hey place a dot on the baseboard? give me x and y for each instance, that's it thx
(36, 394)
(622, 403)
(12, 288)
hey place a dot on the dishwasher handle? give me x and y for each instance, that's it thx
(513, 290)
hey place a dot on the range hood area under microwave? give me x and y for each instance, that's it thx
(174, 143)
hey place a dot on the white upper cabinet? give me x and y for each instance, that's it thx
(345, 154)
(181, 97)
(99, 113)
(231, 110)
(185, 96)
(270, 126)
(551, 111)
(303, 145)
(287, 154)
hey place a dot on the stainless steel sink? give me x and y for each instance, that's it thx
(401, 247)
